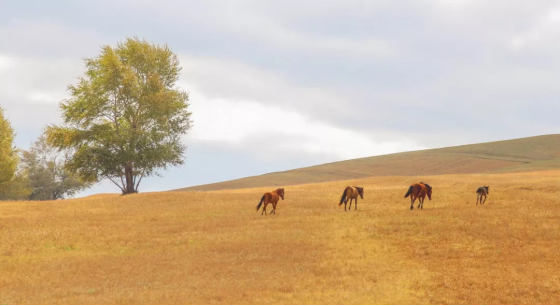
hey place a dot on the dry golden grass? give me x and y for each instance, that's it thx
(212, 247)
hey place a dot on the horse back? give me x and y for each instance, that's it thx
(351, 192)
(423, 190)
(419, 190)
(271, 197)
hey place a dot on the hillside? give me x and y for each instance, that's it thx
(184, 248)
(524, 154)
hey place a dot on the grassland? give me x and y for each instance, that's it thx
(517, 155)
(212, 247)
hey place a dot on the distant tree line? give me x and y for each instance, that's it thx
(124, 121)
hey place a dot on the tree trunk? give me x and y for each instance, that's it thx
(129, 179)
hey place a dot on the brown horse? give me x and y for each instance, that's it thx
(482, 192)
(271, 197)
(352, 193)
(419, 191)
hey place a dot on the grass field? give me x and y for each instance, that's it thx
(537, 153)
(212, 247)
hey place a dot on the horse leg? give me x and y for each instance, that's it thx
(350, 206)
(345, 202)
(484, 199)
(273, 208)
(412, 202)
(264, 208)
(477, 196)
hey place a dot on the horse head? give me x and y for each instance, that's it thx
(280, 192)
(429, 189)
(361, 192)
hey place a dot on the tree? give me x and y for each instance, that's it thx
(126, 116)
(13, 185)
(43, 166)
(8, 153)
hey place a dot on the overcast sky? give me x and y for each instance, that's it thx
(277, 85)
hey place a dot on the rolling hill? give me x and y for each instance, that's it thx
(517, 155)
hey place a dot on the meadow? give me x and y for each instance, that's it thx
(214, 248)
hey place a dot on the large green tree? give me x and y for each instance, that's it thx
(8, 153)
(126, 116)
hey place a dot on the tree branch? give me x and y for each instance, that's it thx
(141, 176)
(122, 190)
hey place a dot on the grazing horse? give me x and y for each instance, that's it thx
(352, 193)
(271, 197)
(419, 191)
(482, 192)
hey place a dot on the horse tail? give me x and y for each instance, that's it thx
(409, 191)
(260, 203)
(343, 196)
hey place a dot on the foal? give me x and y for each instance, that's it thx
(482, 192)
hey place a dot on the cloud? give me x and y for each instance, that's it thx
(223, 79)
(541, 37)
(40, 38)
(272, 133)
(32, 87)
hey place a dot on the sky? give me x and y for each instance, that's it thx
(278, 85)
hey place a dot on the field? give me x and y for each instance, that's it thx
(537, 153)
(212, 247)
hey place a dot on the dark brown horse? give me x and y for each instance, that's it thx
(482, 192)
(352, 193)
(419, 191)
(271, 197)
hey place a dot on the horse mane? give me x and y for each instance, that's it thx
(430, 187)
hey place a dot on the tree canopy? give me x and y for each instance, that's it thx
(8, 153)
(126, 116)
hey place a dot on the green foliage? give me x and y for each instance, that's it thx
(15, 189)
(8, 154)
(43, 166)
(13, 186)
(126, 116)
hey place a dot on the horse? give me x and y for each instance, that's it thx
(271, 197)
(419, 191)
(482, 192)
(352, 193)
